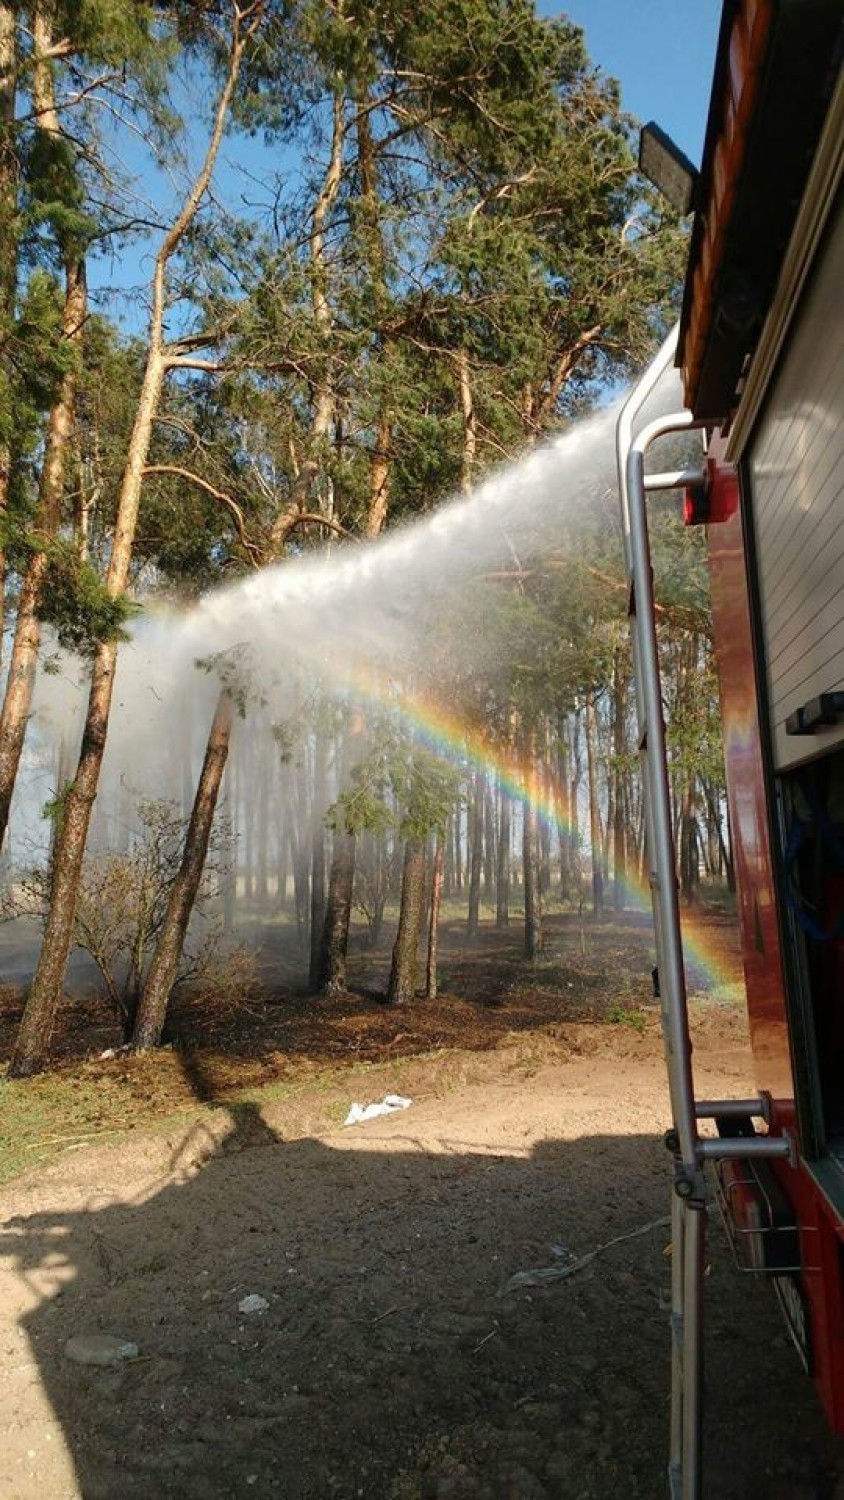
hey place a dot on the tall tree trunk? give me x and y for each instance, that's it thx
(8, 242)
(249, 825)
(20, 682)
(262, 853)
(322, 391)
(470, 425)
(476, 826)
(489, 840)
(530, 866)
(434, 916)
(164, 968)
(46, 988)
(563, 805)
(574, 799)
(530, 853)
(689, 873)
(594, 809)
(318, 855)
(619, 748)
(502, 897)
(402, 983)
(331, 979)
(17, 701)
(448, 867)
(230, 861)
(379, 478)
(331, 974)
(299, 870)
(723, 845)
(543, 827)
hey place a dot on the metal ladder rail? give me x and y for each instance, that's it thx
(688, 1203)
(688, 1212)
(685, 1416)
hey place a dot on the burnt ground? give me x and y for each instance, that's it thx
(389, 1361)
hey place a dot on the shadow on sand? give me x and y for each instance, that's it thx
(386, 1364)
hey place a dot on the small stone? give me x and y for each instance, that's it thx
(253, 1304)
(99, 1349)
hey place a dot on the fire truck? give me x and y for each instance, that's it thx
(760, 347)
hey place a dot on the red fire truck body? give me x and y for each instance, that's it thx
(815, 1311)
(761, 349)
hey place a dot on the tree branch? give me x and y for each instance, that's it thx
(311, 518)
(255, 552)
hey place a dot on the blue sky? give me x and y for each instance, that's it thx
(661, 51)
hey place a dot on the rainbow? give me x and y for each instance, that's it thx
(449, 736)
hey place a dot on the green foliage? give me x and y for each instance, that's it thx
(54, 808)
(35, 360)
(363, 805)
(235, 670)
(119, 32)
(428, 795)
(56, 198)
(620, 1015)
(77, 603)
(123, 900)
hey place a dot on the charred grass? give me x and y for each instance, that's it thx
(314, 1055)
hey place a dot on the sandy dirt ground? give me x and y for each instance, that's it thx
(389, 1362)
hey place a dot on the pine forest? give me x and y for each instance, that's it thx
(313, 315)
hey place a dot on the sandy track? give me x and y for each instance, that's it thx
(387, 1363)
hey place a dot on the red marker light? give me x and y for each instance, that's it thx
(696, 505)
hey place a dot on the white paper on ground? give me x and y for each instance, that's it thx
(388, 1106)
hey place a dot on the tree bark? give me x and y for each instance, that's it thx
(723, 844)
(322, 391)
(619, 748)
(470, 424)
(318, 856)
(230, 864)
(502, 896)
(543, 787)
(434, 916)
(530, 865)
(489, 855)
(594, 809)
(20, 682)
(45, 991)
(262, 853)
(8, 239)
(689, 874)
(402, 984)
(379, 479)
(457, 831)
(563, 808)
(338, 914)
(164, 968)
(476, 828)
